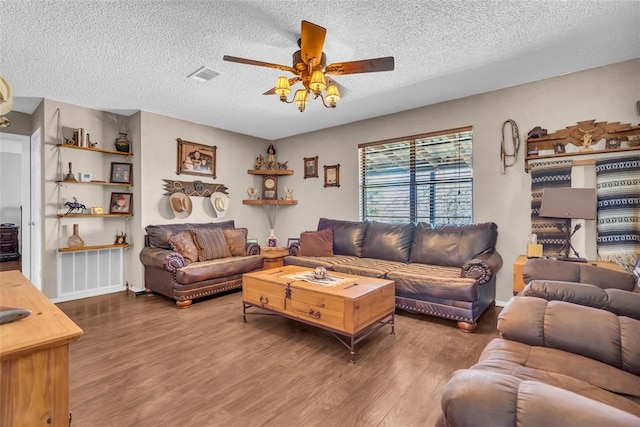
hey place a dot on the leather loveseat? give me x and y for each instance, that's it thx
(189, 261)
(446, 270)
(557, 364)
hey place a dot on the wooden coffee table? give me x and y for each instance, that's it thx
(351, 311)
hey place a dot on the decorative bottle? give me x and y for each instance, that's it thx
(75, 241)
(122, 143)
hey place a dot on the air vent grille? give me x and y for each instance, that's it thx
(203, 74)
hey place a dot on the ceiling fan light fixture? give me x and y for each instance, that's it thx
(318, 82)
(283, 88)
(333, 95)
(301, 99)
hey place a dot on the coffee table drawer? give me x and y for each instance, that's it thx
(263, 294)
(319, 308)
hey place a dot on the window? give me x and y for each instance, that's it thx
(425, 178)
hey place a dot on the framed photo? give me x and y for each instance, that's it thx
(310, 167)
(196, 159)
(121, 173)
(558, 148)
(292, 241)
(121, 203)
(613, 143)
(332, 175)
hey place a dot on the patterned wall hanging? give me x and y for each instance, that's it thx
(544, 175)
(618, 188)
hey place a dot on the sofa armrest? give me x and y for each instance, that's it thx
(617, 301)
(483, 267)
(294, 249)
(587, 331)
(253, 249)
(162, 258)
(481, 398)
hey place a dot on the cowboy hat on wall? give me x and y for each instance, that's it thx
(220, 203)
(181, 205)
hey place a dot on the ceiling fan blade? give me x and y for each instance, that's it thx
(292, 81)
(363, 66)
(311, 42)
(258, 63)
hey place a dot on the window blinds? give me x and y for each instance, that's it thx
(423, 178)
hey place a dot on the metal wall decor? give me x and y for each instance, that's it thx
(195, 188)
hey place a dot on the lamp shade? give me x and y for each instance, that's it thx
(318, 82)
(301, 99)
(579, 203)
(282, 86)
(333, 95)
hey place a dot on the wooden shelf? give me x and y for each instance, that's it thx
(97, 150)
(94, 215)
(118, 184)
(91, 248)
(269, 202)
(583, 153)
(270, 172)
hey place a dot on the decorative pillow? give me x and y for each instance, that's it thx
(183, 244)
(316, 243)
(236, 241)
(211, 243)
(348, 236)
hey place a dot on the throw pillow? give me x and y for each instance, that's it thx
(236, 241)
(183, 244)
(316, 243)
(211, 243)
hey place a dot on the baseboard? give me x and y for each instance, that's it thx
(136, 290)
(88, 293)
(501, 303)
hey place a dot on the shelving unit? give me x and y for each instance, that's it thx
(575, 134)
(119, 184)
(95, 150)
(93, 248)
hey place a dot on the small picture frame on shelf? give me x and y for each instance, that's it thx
(311, 167)
(121, 203)
(558, 148)
(291, 241)
(272, 242)
(613, 144)
(121, 173)
(332, 175)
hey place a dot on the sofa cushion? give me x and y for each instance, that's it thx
(183, 243)
(421, 281)
(348, 236)
(369, 267)
(452, 245)
(220, 269)
(158, 235)
(211, 244)
(316, 243)
(236, 239)
(316, 261)
(391, 242)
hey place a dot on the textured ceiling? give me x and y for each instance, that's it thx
(126, 56)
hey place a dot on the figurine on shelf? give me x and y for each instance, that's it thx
(283, 166)
(75, 206)
(288, 193)
(271, 157)
(252, 191)
(259, 162)
(587, 139)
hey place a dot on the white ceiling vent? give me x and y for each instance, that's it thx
(203, 74)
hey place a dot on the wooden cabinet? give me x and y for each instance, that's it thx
(34, 358)
(9, 242)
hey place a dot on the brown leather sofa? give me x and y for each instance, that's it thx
(557, 364)
(172, 273)
(447, 270)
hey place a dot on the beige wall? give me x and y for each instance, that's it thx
(20, 123)
(606, 94)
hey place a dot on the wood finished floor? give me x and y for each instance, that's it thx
(143, 362)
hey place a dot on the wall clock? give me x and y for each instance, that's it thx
(269, 187)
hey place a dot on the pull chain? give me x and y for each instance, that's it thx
(515, 139)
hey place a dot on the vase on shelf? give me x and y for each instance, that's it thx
(122, 143)
(75, 241)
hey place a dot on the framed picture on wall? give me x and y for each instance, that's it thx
(121, 203)
(332, 175)
(121, 173)
(196, 159)
(310, 167)
(558, 148)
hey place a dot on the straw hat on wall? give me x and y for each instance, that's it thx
(181, 205)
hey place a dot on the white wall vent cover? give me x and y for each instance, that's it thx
(88, 273)
(203, 74)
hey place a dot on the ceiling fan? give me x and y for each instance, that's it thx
(309, 67)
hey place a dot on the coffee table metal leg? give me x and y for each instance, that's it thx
(353, 350)
(393, 323)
